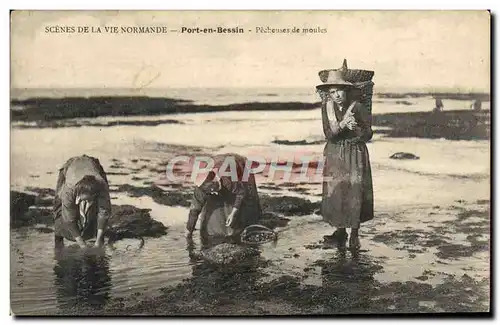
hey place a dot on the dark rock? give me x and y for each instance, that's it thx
(457, 251)
(404, 155)
(44, 196)
(44, 192)
(38, 215)
(130, 222)
(300, 190)
(126, 221)
(288, 206)
(44, 229)
(297, 143)
(272, 221)
(28, 209)
(451, 125)
(269, 187)
(158, 195)
(19, 204)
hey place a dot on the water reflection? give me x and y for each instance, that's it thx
(219, 283)
(82, 279)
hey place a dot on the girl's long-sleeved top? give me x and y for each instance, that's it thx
(331, 117)
(66, 206)
(347, 186)
(232, 193)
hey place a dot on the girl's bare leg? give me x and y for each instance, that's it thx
(354, 238)
(339, 237)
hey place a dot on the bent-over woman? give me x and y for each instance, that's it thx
(227, 205)
(82, 205)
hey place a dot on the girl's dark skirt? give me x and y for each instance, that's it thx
(347, 184)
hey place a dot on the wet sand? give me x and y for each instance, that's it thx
(427, 250)
(419, 259)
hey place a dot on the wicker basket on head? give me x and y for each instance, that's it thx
(362, 79)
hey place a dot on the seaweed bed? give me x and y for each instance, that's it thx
(32, 209)
(298, 142)
(348, 287)
(126, 221)
(58, 112)
(73, 123)
(288, 205)
(441, 95)
(439, 236)
(451, 125)
(285, 205)
(53, 109)
(170, 198)
(348, 284)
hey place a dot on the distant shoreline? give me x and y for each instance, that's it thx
(441, 95)
(51, 109)
(45, 107)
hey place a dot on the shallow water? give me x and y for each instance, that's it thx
(406, 196)
(71, 282)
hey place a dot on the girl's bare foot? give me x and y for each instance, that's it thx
(354, 243)
(339, 238)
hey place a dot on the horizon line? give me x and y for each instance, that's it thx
(381, 90)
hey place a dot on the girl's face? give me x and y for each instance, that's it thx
(339, 95)
(86, 197)
(211, 187)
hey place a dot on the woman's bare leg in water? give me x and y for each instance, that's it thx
(59, 242)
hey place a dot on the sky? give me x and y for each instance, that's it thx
(438, 50)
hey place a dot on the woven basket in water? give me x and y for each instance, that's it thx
(224, 254)
(258, 234)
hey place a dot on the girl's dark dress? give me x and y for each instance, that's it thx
(347, 184)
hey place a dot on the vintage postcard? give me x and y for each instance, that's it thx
(182, 163)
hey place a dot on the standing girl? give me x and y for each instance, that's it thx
(347, 186)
